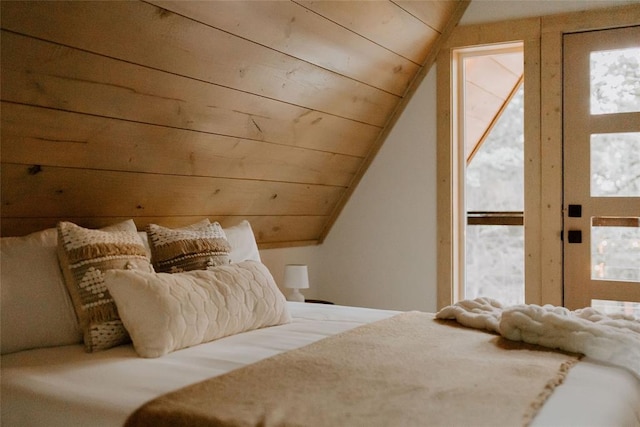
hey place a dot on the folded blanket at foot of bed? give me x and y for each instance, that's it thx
(612, 339)
(408, 370)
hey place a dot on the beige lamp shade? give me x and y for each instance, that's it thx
(296, 276)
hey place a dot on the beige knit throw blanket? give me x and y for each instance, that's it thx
(408, 370)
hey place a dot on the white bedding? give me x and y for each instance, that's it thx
(64, 386)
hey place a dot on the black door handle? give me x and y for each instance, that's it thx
(574, 236)
(575, 211)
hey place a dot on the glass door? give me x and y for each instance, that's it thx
(601, 235)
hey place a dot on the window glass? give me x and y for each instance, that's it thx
(495, 263)
(615, 81)
(494, 177)
(615, 164)
(495, 174)
(615, 248)
(616, 307)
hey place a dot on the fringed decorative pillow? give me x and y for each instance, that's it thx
(199, 247)
(84, 256)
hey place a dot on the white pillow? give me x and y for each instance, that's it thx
(35, 310)
(164, 312)
(243, 243)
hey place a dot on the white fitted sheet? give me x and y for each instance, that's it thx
(64, 386)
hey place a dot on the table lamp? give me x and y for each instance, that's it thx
(296, 277)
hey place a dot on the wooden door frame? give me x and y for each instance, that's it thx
(553, 30)
(543, 150)
(450, 215)
(580, 288)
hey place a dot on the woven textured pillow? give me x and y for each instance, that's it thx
(84, 256)
(198, 247)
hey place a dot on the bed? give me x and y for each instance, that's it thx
(49, 378)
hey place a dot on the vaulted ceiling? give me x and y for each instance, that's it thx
(171, 111)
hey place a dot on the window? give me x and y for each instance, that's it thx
(543, 210)
(490, 116)
(494, 205)
(482, 154)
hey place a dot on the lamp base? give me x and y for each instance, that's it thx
(296, 296)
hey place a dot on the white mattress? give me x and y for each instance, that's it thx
(64, 386)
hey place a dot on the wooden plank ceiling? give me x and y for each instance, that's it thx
(172, 111)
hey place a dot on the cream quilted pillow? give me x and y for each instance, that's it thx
(165, 312)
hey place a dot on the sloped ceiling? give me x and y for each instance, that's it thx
(171, 111)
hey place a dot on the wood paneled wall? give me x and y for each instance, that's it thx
(171, 111)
